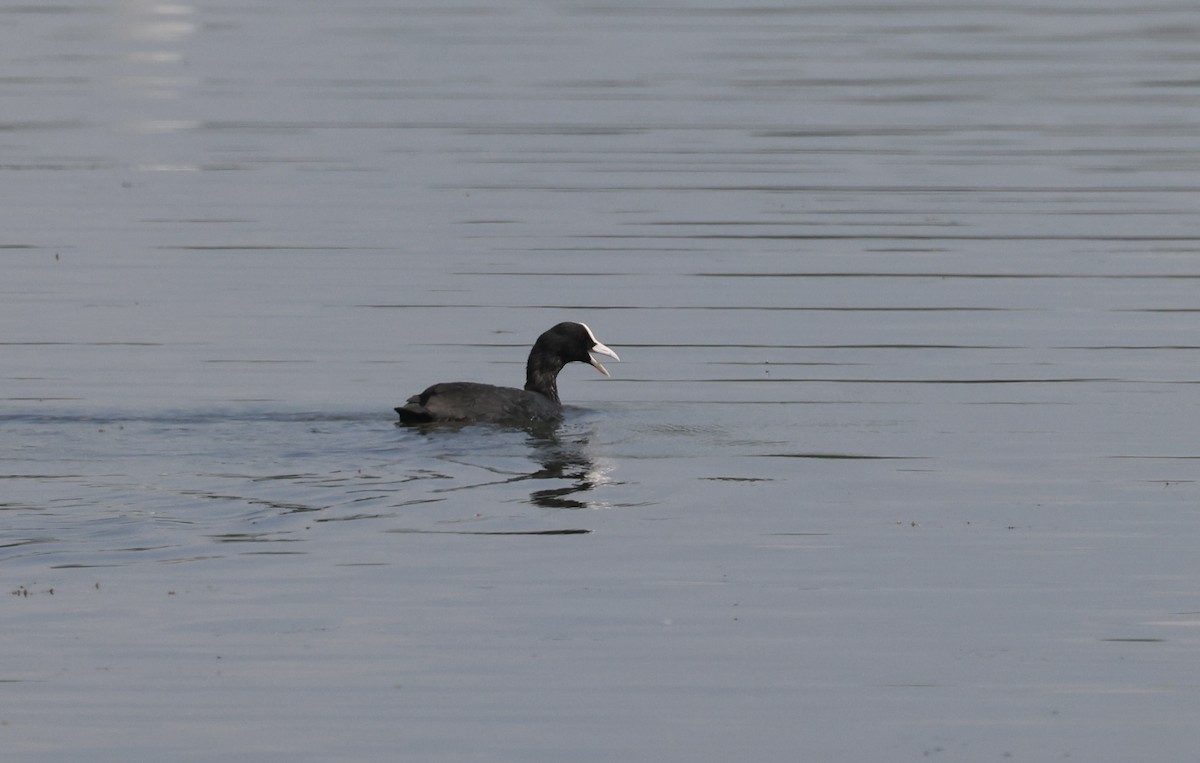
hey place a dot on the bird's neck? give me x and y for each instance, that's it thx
(541, 376)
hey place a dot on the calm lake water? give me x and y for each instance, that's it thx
(899, 463)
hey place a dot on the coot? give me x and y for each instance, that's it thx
(471, 401)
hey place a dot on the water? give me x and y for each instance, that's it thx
(899, 462)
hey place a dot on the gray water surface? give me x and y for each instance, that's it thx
(899, 463)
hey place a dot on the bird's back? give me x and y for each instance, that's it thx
(472, 401)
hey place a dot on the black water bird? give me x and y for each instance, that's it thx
(487, 403)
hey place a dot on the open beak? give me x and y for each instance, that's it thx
(601, 350)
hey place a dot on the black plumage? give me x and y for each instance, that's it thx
(537, 402)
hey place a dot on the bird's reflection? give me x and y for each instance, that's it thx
(564, 458)
(561, 455)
